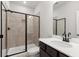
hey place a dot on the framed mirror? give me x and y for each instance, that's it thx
(59, 26)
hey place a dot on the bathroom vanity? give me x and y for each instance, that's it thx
(47, 51)
(53, 47)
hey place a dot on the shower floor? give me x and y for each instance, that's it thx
(15, 50)
(20, 49)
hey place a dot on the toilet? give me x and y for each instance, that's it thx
(33, 51)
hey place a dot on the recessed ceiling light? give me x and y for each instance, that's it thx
(24, 2)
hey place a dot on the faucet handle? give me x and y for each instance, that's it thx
(69, 34)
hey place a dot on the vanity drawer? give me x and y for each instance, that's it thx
(51, 51)
(42, 45)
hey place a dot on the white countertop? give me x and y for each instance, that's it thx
(70, 51)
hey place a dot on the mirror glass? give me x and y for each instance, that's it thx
(59, 26)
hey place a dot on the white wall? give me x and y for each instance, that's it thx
(46, 15)
(68, 10)
(37, 10)
(22, 9)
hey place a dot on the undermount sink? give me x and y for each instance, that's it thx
(61, 43)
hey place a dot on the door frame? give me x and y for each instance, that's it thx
(1, 36)
(1, 29)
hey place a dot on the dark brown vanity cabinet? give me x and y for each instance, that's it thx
(62, 55)
(47, 51)
(43, 53)
(52, 52)
(43, 50)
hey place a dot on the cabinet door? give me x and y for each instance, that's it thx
(43, 53)
(42, 45)
(51, 51)
(62, 55)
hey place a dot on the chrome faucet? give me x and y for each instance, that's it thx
(66, 37)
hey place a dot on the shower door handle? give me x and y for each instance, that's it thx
(8, 28)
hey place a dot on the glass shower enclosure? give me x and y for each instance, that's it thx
(13, 29)
(33, 31)
(18, 30)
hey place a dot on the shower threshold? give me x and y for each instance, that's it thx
(15, 50)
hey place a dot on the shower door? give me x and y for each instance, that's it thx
(32, 31)
(15, 33)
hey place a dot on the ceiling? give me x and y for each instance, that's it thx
(30, 4)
